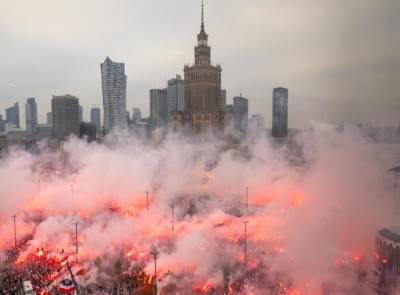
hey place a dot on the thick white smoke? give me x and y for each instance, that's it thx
(308, 223)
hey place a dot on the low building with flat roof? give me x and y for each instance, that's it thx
(387, 262)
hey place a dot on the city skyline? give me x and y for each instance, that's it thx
(333, 72)
(200, 147)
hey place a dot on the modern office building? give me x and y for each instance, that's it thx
(80, 113)
(43, 131)
(95, 118)
(17, 136)
(223, 100)
(175, 96)
(257, 122)
(65, 110)
(31, 116)
(140, 129)
(280, 112)
(229, 108)
(12, 115)
(240, 113)
(2, 124)
(88, 131)
(158, 108)
(114, 83)
(3, 143)
(49, 118)
(136, 115)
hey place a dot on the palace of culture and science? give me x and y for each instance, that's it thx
(202, 115)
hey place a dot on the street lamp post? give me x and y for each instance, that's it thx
(245, 221)
(155, 253)
(15, 232)
(76, 238)
(247, 197)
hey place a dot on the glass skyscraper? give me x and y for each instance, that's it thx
(114, 95)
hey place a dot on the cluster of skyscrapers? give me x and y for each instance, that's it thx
(195, 105)
(64, 120)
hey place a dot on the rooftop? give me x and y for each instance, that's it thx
(392, 233)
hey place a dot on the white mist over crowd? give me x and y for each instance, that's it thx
(311, 224)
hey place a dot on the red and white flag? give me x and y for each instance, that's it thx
(67, 286)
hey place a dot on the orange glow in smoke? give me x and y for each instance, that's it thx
(293, 292)
(358, 257)
(205, 287)
(261, 198)
(20, 260)
(33, 205)
(261, 230)
(297, 200)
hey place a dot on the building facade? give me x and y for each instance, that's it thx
(387, 263)
(257, 122)
(43, 131)
(80, 113)
(223, 100)
(140, 129)
(95, 118)
(2, 124)
(49, 118)
(280, 112)
(12, 115)
(114, 95)
(240, 113)
(65, 110)
(3, 143)
(202, 115)
(175, 96)
(136, 115)
(17, 136)
(31, 116)
(229, 108)
(158, 108)
(87, 131)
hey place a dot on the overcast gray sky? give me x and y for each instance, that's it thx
(339, 59)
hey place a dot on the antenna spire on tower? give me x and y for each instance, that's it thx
(202, 14)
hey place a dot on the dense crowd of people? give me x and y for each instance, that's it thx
(44, 269)
(39, 268)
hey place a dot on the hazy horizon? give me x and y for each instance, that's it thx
(340, 62)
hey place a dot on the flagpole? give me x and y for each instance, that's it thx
(73, 279)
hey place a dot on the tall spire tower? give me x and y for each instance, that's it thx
(202, 111)
(202, 50)
(202, 15)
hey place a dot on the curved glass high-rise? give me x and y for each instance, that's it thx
(114, 95)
